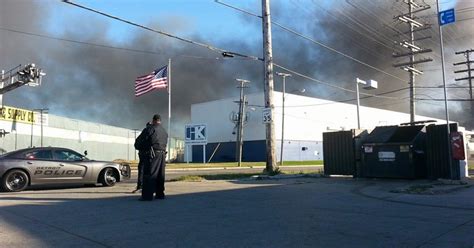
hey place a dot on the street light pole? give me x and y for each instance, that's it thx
(358, 100)
(448, 131)
(283, 75)
(372, 85)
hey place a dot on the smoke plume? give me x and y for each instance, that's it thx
(95, 83)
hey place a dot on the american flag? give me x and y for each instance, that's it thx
(158, 79)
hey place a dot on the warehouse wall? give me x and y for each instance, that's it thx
(306, 119)
(102, 142)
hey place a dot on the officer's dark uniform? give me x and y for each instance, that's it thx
(154, 165)
(143, 155)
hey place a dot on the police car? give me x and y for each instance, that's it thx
(54, 165)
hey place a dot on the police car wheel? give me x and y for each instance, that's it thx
(15, 180)
(108, 177)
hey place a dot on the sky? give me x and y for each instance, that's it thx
(87, 79)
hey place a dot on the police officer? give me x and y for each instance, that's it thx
(155, 162)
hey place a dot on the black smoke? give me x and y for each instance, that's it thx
(96, 83)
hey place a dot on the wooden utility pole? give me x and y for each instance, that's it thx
(470, 75)
(408, 43)
(271, 165)
(240, 120)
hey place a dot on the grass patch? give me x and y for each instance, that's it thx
(470, 164)
(296, 163)
(235, 176)
(134, 164)
(234, 164)
(189, 178)
(198, 178)
(212, 165)
(302, 172)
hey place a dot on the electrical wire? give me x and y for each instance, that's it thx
(210, 47)
(108, 46)
(328, 84)
(362, 45)
(338, 101)
(222, 51)
(138, 51)
(314, 41)
(79, 42)
(449, 100)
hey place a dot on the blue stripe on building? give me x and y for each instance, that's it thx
(253, 151)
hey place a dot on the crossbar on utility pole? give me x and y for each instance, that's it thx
(271, 165)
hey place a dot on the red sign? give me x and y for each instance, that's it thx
(457, 146)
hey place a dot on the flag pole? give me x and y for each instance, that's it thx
(169, 109)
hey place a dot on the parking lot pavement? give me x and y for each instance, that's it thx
(304, 212)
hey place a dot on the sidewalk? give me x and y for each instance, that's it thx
(438, 193)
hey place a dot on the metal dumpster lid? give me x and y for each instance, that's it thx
(406, 134)
(394, 134)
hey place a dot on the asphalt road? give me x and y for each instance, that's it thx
(305, 212)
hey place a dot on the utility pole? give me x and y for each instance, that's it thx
(240, 120)
(271, 165)
(409, 44)
(283, 75)
(470, 74)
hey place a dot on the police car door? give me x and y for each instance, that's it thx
(72, 168)
(41, 165)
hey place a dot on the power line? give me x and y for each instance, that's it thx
(339, 101)
(452, 100)
(110, 46)
(363, 45)
(314, 41)
(133, 50)
(364, 26)
(328, 84)
(210, 47)
(79, 42)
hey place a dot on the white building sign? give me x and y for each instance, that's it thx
(195, 134)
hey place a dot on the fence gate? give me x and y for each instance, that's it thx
(339, 153)
(437, 153)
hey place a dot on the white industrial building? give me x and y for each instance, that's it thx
(22, 128)
(306, 118)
